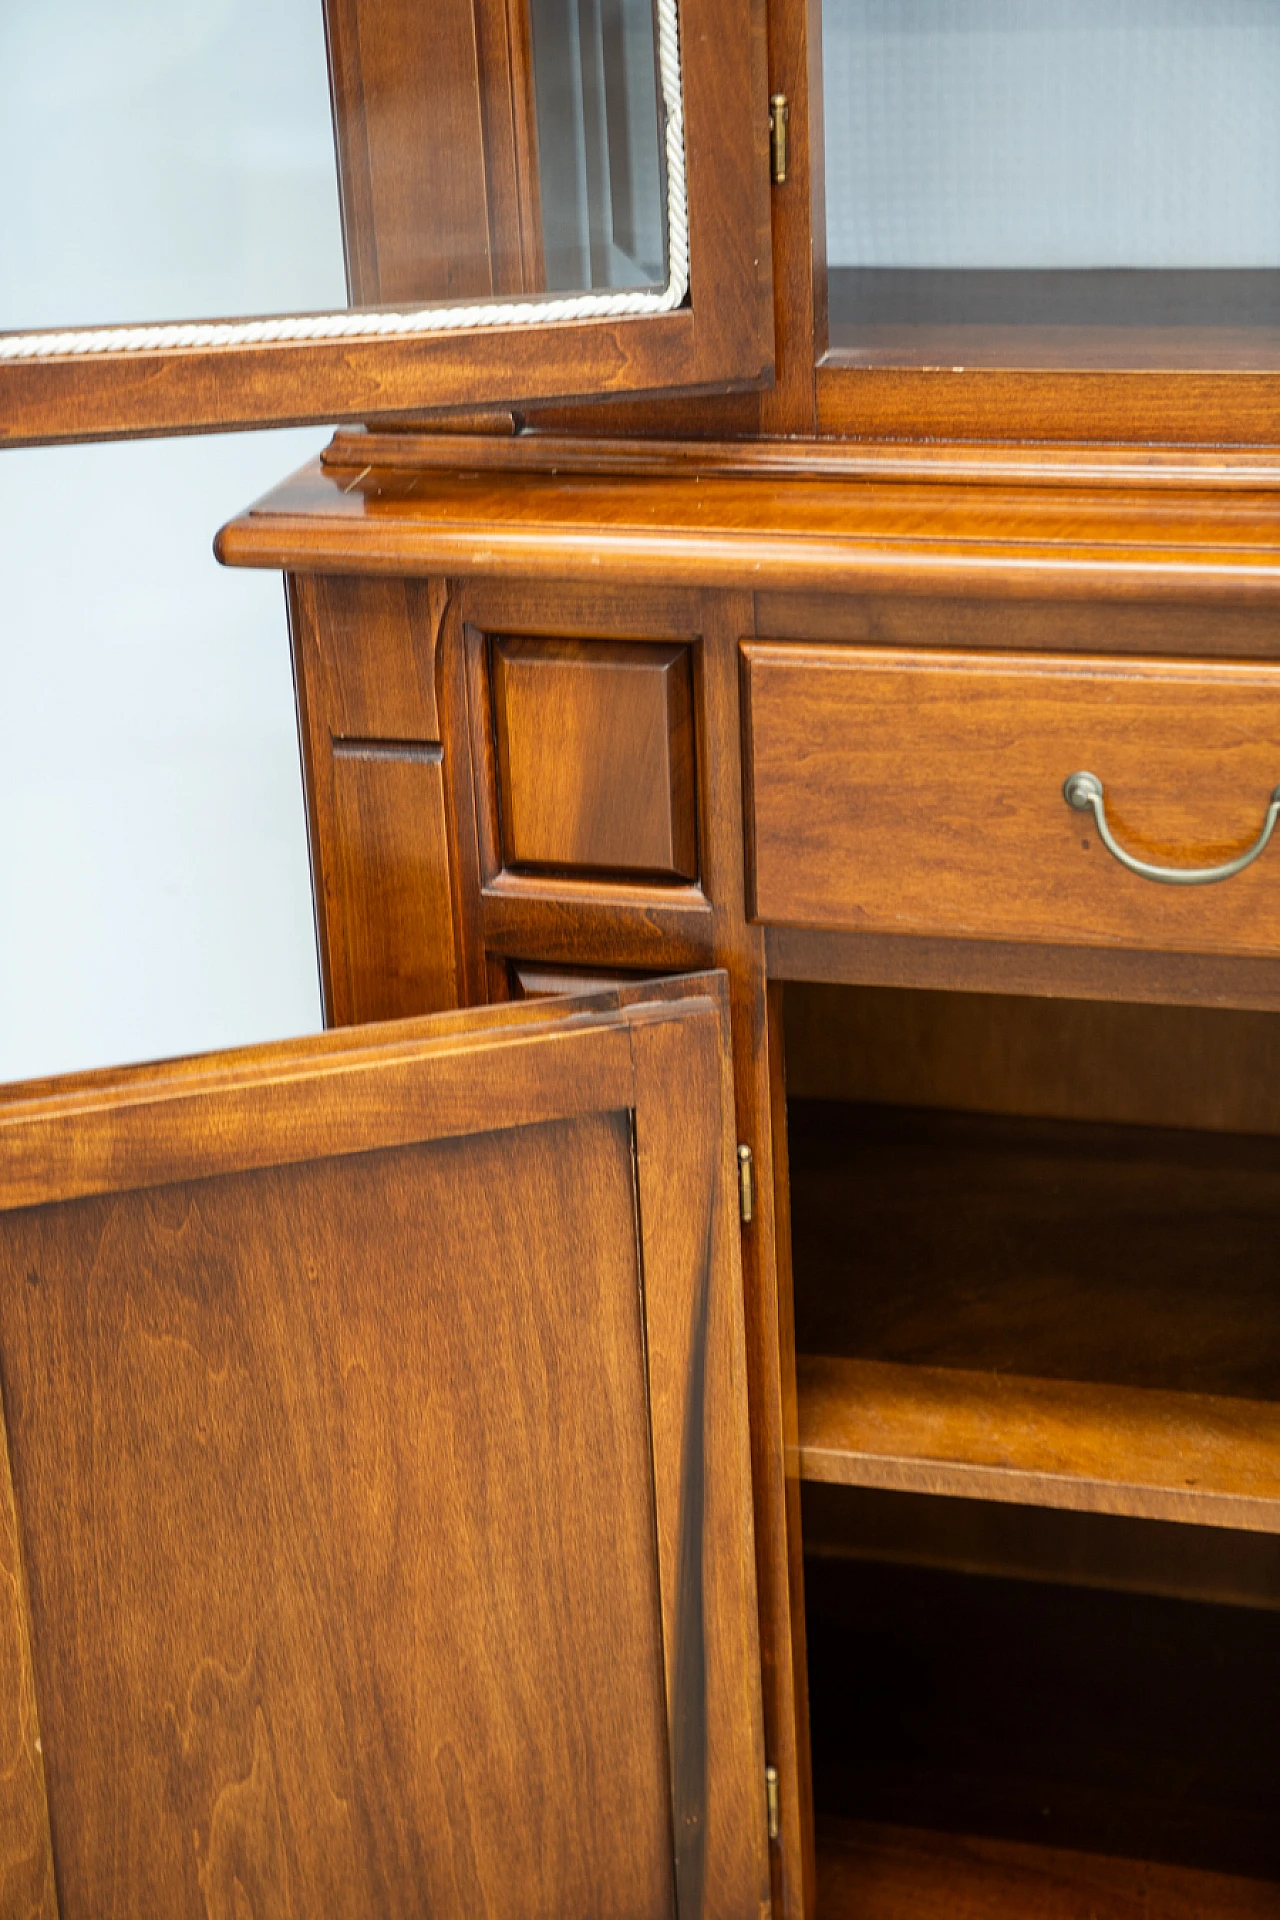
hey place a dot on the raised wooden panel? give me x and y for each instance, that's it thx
(922, 793)
(595, 749)
(382, 1473)
(386, 880)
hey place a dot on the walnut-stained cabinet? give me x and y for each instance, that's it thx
(744, 1375)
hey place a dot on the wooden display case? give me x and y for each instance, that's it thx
(786, 681)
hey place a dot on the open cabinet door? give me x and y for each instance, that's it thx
(374, 1511)
(536, 199)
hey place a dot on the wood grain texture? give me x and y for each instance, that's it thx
(567, 610)
(372, 645)
(309, 1492)
(388, 909)
(560, 918)
(876, 1872)
(1120, 408)
(595, 756)
(27, 1890)
(765, 1250)
(437, 150)
(1222, 628)
(799, 221)
(271, 1106)
(923, 793)
(686, 1179)
(528, 445)
(1052, 1313)
(364, 674)
(722, 337)
(564, 920)
(913, 538)
(1156, 1066)
(409, 97)
(527, 980)
(1007, 966)
(1063, 1250)
(272, 1652)
(987, 1436)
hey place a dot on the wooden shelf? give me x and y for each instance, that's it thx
(872, 1872)
(1064, 318)
(1061, 1250)
(1047, 1443)
(1053, 1313)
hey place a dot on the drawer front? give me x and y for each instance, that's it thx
(923, 793)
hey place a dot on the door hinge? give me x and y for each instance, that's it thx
(771, 1801)
(746, 1186)
(779, 123)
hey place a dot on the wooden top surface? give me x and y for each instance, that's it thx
(1190, 533)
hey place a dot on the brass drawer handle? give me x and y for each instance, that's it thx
(1083, 791)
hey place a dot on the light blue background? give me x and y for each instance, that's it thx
(161, 160)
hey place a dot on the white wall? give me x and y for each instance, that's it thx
(162, 159)
(165, 160)
(154, 889)
(1052, 133)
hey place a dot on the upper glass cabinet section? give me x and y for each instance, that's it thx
(180, 146)
(383, 177)
(1053, 182)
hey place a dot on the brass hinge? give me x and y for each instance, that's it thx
(771, 1801)
(779, 120)
(746, 1186)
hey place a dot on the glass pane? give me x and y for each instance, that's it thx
(1049, 181)
(178, 160)
(600, 159)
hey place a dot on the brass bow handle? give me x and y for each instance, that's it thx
(1083, 791)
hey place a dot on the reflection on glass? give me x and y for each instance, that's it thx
(185, 154)
(1052, 164)
(600, 159)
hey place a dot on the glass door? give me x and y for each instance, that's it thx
(325, 208)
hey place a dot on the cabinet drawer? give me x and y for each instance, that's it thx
(923, 793)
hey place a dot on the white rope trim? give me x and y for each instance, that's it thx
(426, 320)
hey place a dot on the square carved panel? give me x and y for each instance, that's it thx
(595, 745)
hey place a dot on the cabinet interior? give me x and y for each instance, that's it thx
(1044, 184)
(1038, 1340)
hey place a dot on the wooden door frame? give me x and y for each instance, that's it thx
(656, 1053)
(721, 338)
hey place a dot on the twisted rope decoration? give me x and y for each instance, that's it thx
(425, 320)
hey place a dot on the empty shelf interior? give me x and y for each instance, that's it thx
(1132, 1726)
(1057, 1312)
(868, 1871)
